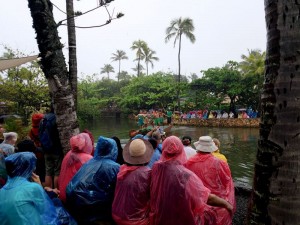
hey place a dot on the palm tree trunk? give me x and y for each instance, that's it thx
(138, 72)
(276, 190)
(147, 67)
(55, 70)
(119, 70)
(72, 49)
(179, 75)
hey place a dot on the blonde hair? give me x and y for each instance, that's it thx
(217, 142)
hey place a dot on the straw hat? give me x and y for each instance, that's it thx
(137, 151)
(205, 144)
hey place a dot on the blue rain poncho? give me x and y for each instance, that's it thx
(24, 202)
(90, 193)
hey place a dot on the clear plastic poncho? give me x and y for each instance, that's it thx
(131, 204)
(22, 201)
(80, 153)
(7, 150)
(178, 196)
(90, 193)
(216, 176)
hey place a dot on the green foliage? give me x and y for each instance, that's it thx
(157, 90)
(218, 83)
(16, 125)
(25, 87)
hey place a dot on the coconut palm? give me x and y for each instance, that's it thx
(275, 195)
(177, 28)
(149, 57)
(139, 46)
(253, 63)
(138, 68)
(107, 68)
(118, 56)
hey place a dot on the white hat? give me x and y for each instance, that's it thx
(205, 144)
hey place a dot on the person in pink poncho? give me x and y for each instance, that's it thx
(215, 175)
(131, 203)
(178, 196)
(80, 153)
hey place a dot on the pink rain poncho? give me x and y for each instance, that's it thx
(131, 204)
(177, 195)
(80, 153)
(216, 176)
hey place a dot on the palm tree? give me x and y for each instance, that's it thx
(149, 57)
(253, 63)
(275, 195)
(118, 56)
(177, 28)
(253, 66)
(138, 68)
(55, 70)
(107, 68)
(139, 46)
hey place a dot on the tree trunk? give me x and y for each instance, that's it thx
(276, 187)
(138, 72)
(179, 75)
(72, 49)
(119, 70)
(55, 70)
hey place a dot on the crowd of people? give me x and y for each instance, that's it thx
(154, 179)
(146, 118)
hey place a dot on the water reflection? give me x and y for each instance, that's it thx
(237, 144)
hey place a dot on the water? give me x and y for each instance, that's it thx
(237, 144)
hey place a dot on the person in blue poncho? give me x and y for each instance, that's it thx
(90, 193)
(22, 201)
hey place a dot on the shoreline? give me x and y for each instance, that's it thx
(215, 122)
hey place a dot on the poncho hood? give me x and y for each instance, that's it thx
(106, 149)
(20, 164)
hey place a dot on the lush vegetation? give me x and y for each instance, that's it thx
(236, 84)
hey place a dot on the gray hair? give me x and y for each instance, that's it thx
(10, 136)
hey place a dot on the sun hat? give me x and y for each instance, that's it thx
(137, 151)
(205, 144)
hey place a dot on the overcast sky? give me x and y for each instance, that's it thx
(224, 31)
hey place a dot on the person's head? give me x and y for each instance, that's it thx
(137, 152)
(156, 135)
(172, 149)
(10, 138)
(81, 143)
(106, 149)
(36, 119)
(186, 140)
(20, 164)
(205, 144)
(90, 135)
(26, 146)
(153, 142)
(217, 142)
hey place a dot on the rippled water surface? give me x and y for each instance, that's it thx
(237, 144)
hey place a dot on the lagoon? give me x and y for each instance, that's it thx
(239, 145)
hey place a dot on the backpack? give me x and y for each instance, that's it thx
(48, 132)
